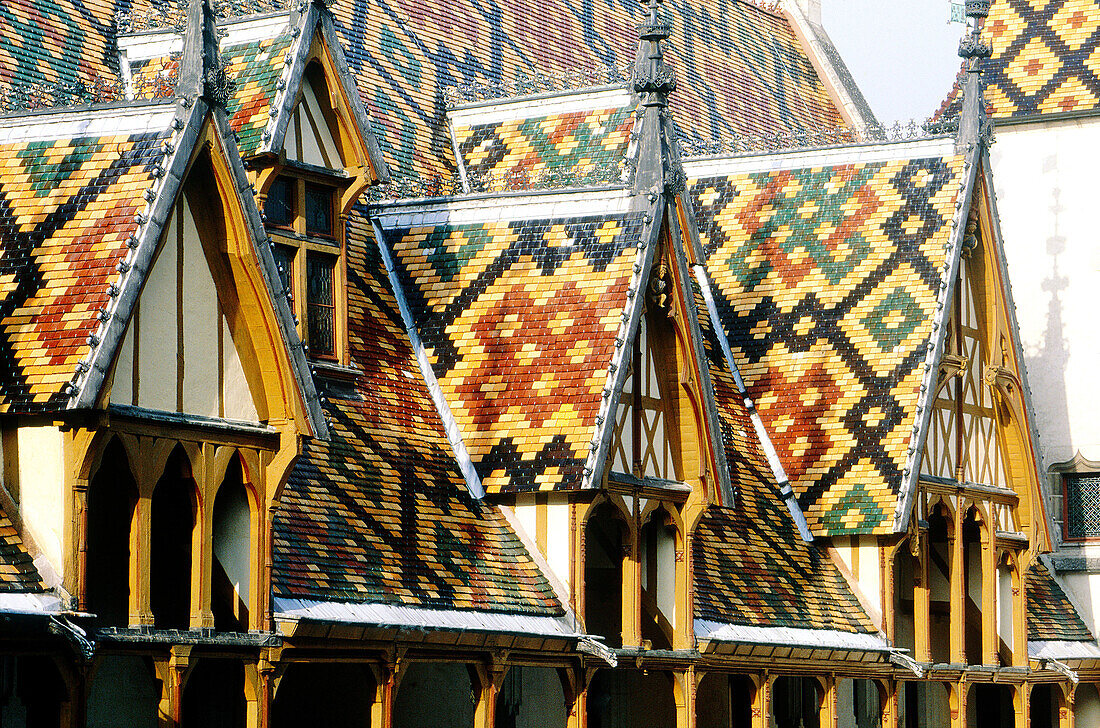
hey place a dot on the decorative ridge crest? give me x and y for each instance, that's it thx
(975, 126)
(537, 82)
(578, 178)
(172, 14)
(839, 136)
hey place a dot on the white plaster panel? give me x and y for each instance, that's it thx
(558, 538)
(324, 140)
(870, 572)
(236, 395)
(200, 327)
(42, 489)
(122, 384)
(1045, 177)
(157, 365)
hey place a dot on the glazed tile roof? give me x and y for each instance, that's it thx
(17, 570)
(67, 207)
(1050, 615)
(58, 41)
(826, 280)
(576, 144)
(519, 320)
(380, 513)
(751, 567)
(255, 68)
(1046, 57)
(741, 68)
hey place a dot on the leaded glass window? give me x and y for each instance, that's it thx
(1082, 505)
(279, 206)
(321, 305)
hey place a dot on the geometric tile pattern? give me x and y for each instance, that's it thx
(1050, 615)
(1046, 57)
(17, 570)
(826, 281)
(752, 568)
(742, 67)
(577, 143)
(380, 512)
(519, 320)
(66, 209)
(255, 69)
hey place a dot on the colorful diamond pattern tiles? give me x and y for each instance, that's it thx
(826, 280)
(57, 41)
(1046, 57)
(570, 147)
(519, 320)
(1050, 615)
(255, 69)
(380, 512)
(67, 207)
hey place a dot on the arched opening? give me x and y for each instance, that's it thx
(724, 701)
(123, 691)
(990, 706)
(922, 704)
(32, 692)
(973, 578)
(631, 699)
(232, 563)
(213, 696)
(1045, 702)
(112, 497)
(796, 702)
(605, 540)
(657, 546)
(940, 533)
(859, 704)
(906, 568)
(434, 694)
(173, 525)
(531, 697)
(324, 694)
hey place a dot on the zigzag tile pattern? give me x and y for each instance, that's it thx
(17, 570)
(57, 41)
(741, 67)
(66, 209)
(1046, 57)
(1050, 615)
(255, 69)
(826, 281)
(574, 145)
(380, 513)
(519, 321)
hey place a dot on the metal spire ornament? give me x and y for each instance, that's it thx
(659, 168)
(974, 126)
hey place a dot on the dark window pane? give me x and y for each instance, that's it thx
(284, 261)
(321, 304)
(1082, 506)
(318, 210)
(279, 207)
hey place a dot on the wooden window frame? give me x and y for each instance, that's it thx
(306, 244)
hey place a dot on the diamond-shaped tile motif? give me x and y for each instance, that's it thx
(827, 280)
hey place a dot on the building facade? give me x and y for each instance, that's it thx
(505, 366)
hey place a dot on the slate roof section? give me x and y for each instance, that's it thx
(17, 570)
(742, 68)
(67, 207)
(380, 512)
(519, 319)
(1050, 615)
(826, 280)
(523, 152)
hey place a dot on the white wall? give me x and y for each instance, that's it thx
(41, 453)
(1045, 176)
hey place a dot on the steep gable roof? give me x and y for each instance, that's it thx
(1050, 615)
(826, 274)
(18, 573)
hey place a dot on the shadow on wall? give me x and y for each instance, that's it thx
(1047, 362)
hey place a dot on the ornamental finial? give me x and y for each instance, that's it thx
(974, 125)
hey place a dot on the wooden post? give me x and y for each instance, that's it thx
(684, 691)
(1019, 618)
(202, 543)
(957, 699)
(958, 594)
(141, 555)
(990, 585)
(387, 678)
(762, 703)
(888, 703)
(486, 681)
(922, 605)
(1021, 701)
(632, 585)
(1067, 717)
(829, 716)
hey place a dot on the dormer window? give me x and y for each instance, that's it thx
(319, 204)
(321, 304)
(280, 207)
